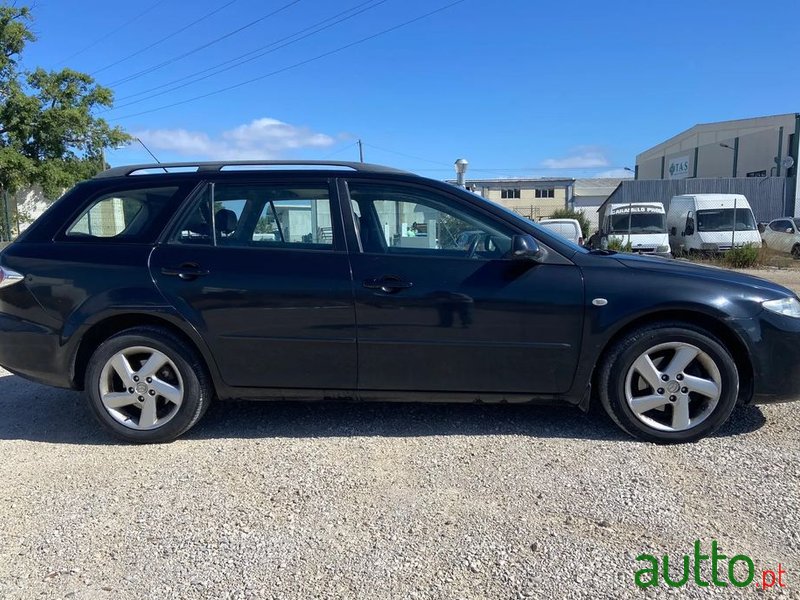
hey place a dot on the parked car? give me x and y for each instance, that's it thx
(710, 223)
(566, 228)
(783, 235)
(157, 288)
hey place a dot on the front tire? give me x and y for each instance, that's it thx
(145, 385)
(669, 383)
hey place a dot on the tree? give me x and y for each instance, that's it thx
(48, 132)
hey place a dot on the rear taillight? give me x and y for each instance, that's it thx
(8, 277)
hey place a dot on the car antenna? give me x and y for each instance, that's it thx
(151, 154)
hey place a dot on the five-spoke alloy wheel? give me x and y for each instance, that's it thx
(145, 385)
(669, 383)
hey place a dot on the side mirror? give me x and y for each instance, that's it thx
(673, 231)
(524, 247)
(690, 226)
(789, 230)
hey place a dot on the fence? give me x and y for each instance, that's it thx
(769, 197)
(534, 213)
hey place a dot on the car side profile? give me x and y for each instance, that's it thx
(158, 288)
(783, 235)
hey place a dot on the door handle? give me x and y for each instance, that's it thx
(388, 284)
(187, 271)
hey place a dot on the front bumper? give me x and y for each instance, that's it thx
(774, 342)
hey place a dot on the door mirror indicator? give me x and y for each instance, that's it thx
(525, 247)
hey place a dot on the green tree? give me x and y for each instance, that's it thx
(49, 134)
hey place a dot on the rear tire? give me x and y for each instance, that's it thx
(669, 383)
(796, 251)
(145, 385)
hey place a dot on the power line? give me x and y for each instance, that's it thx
(435, 162)
(167, 37)
(113, 31)
(339, 151)
(293, 66)
(175, 59)
(273, 48)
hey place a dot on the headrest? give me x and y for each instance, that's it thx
(226, 221)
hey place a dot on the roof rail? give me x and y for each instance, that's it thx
(240, 165)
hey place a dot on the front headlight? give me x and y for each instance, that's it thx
(789, 307)
(661, 249)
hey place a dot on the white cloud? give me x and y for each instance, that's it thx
(261, 139)
(616, 174)
(583, 157)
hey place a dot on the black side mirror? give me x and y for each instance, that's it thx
(673, 231)
(524, 247)
(690, 226)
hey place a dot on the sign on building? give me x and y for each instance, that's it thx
(678, 167)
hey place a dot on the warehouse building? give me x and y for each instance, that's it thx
(590, 194)
(765, 147)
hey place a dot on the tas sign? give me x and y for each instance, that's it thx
(678, 167)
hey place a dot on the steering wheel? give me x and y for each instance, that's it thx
(472, 249)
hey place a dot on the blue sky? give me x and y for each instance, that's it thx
(518, 87)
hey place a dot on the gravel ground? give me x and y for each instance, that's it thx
(382, 501)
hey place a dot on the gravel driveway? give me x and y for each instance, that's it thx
(382, 501)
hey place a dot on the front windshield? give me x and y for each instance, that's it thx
(722, 219)
(640, 223)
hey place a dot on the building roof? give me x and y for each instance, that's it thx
(597, 186)
(754, 123)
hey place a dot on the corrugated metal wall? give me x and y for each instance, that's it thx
(767, 195)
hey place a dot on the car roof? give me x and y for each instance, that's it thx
(243, 166)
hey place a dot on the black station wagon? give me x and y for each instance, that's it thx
(157, 288)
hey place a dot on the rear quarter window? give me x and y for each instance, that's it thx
(128, 216)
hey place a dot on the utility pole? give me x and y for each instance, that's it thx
(360, 151)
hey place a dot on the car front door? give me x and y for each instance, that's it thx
(439, 305)
(781, 235)
(261, 270)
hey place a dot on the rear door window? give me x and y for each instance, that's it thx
(260, 215)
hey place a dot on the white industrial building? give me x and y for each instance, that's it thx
(757, 147)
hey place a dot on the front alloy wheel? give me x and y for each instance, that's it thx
(673, 386)
(669, 383)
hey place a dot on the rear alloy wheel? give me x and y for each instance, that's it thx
(145, 385)
(669, 384)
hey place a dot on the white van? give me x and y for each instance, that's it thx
(567, 228)
(711, 223)
(643, 225)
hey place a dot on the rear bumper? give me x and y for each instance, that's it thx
(775, 356)
(32, 350)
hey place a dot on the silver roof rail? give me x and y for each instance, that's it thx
(241, 165)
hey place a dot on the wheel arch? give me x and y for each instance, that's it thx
(716, 327)
(111, 325)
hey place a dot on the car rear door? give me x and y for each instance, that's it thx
(260, 269)
(434, 316)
